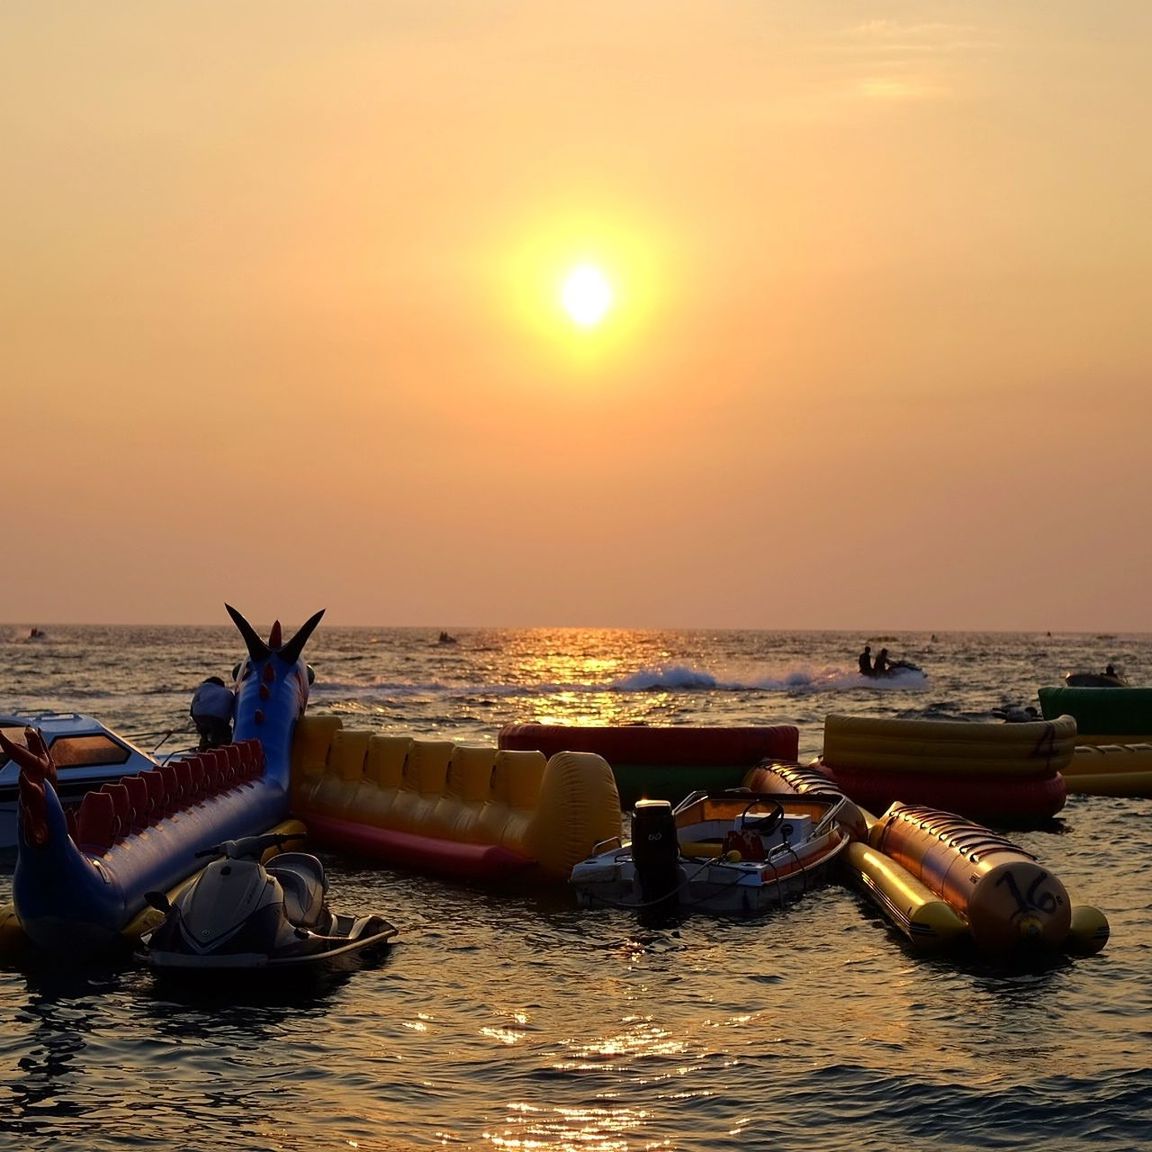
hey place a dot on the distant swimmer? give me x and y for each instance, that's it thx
(866, 661)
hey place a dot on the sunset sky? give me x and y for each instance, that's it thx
(281, 316)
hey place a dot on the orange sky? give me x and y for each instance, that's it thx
(280, 326)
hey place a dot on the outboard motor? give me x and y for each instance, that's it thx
(655, 850)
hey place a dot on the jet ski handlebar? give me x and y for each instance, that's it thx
(249, 847)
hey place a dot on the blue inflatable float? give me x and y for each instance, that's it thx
(75, 890)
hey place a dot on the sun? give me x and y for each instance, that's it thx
(586, 295)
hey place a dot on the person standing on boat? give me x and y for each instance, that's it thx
(212, 708)
(866, 661)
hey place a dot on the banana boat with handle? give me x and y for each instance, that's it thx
(944, 881)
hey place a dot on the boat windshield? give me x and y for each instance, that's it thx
(16, 735)
(76, 751)
(83, 751)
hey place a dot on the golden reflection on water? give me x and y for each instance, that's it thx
(604, 1127)
(644, 1039)
(503, 1035)
(420, 1024)
(594, 1129)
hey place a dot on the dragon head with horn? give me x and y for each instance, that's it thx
(272, 686)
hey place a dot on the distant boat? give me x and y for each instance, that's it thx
(446, 639)
(36, 634)
(1095, 680)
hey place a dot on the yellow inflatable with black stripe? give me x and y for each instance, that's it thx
(1111, 770)
(948, 746)
(996, 773)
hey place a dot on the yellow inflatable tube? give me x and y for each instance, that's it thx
(1122, 738)
(461, 810)
(947, 747)
(1110, 770)
(1005, 896)
(923, 917)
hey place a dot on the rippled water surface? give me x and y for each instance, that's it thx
(512, 1020)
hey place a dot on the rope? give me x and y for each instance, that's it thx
(164, 735)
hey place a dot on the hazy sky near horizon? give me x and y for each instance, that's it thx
(280, 319)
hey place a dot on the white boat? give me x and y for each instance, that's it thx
(86, 754)
(733, 852)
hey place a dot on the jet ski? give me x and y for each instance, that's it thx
(897, 668)
(241, 915)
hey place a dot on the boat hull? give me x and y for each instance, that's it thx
(451, 859)
(721, 888)
(350, 937)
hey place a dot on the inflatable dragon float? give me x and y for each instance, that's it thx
(75, 892)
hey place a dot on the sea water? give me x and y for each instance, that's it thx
(507, 1020)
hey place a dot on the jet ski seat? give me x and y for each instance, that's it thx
(304, 884)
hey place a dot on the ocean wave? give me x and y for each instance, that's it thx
(674, 678)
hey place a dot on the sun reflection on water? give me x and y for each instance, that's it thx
(591, 1129)
(644, 1040)
(642, 1051)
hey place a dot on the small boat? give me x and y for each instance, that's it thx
(1095, 680)
(86, 753)
(240, 915)
(446, 638)
(732, 852)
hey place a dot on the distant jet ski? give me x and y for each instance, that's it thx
(895, 669)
